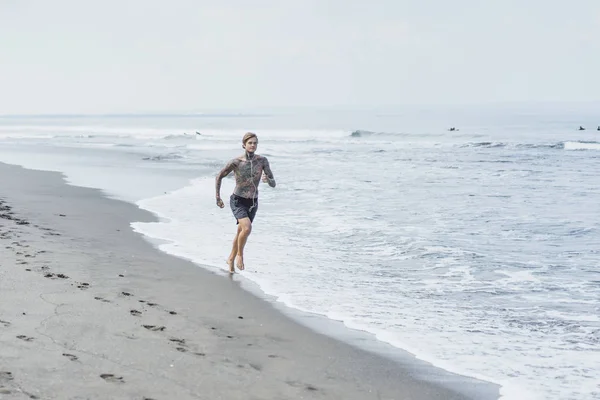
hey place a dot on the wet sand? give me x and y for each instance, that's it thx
(91, 310)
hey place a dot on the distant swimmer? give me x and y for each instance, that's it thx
(581, 128)
(453, 129)
(598, 128)
(248, 169)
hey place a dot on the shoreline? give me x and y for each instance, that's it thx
(210, 337)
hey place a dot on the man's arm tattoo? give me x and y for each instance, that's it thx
(269, 173)
(222, 174)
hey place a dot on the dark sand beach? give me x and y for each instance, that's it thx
(91, 310)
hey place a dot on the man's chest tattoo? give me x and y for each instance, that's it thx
(247, 177)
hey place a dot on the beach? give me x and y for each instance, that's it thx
(91, 310)
(434, 230)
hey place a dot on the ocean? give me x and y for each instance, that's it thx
(477, 249)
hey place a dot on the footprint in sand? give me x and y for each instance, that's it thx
(5, 376)
(25, 338)
(182, 347)
(135, 313)
(112, 378)
(5, 323)
(155, 328)
(184, 350)
(83, 285)
(101, 299)
(255, 367)
(126, 294)
(300, 384)
(127, 336)
(71, 357)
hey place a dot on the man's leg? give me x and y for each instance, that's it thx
(234, 250)
(244, 229)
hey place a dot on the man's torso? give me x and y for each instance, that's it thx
(247, 176)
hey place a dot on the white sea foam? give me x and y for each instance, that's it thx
(582, 146)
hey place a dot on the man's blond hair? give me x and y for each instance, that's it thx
(248, 136)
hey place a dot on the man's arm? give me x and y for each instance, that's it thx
(268, 177)
(222, 174)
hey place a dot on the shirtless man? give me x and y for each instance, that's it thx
(248, 169)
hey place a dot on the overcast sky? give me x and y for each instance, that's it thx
(85, 56)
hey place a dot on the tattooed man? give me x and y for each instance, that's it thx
(248, 169)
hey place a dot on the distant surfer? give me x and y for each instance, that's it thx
(581, 128)
(248, 169)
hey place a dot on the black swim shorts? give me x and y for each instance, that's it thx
(243, 207)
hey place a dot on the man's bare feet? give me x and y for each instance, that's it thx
(239, 262)
(231, 267)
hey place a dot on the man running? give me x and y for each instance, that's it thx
(248, 169)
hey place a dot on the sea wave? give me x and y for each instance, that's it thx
(582, 145)
(567, 145)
